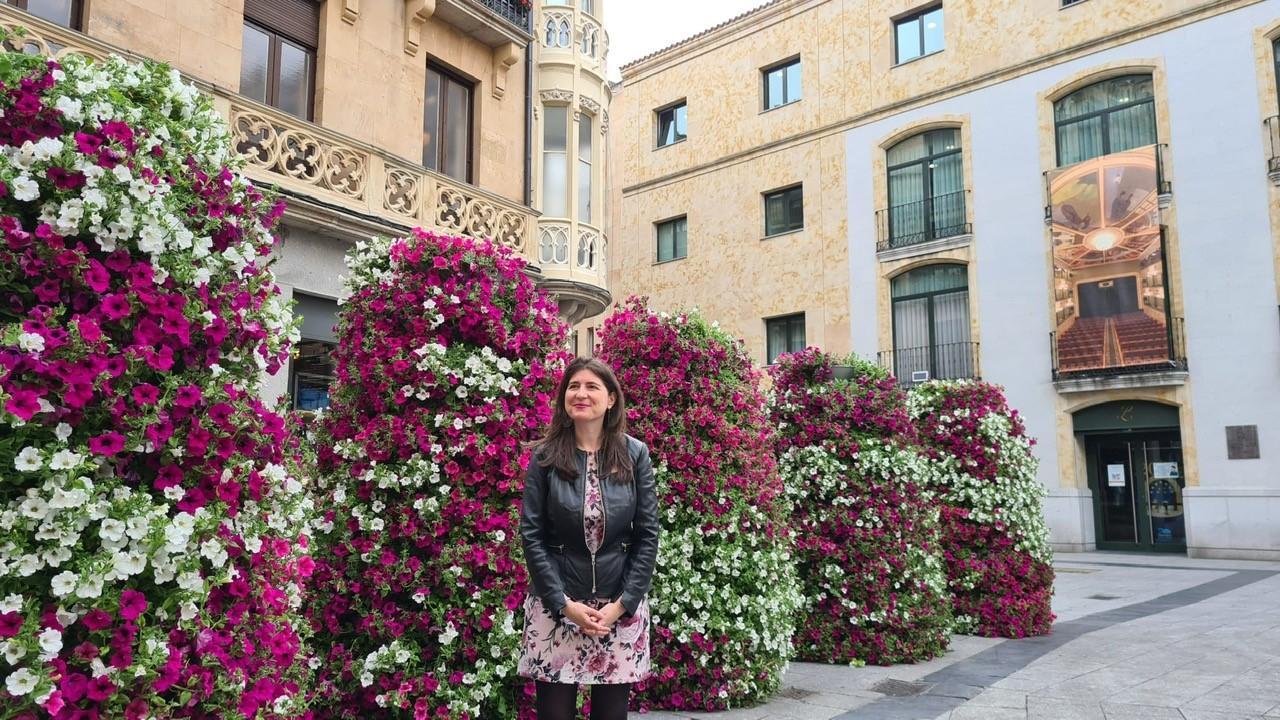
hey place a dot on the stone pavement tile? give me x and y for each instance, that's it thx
(1191, 714)
(1172, 689)
(970, 712)
(1273, 713)
(1095, 686)
(999, 697)
(1027, 681)
(837, 701)
(1039, 708)
(1120, 711)
(1232, 700)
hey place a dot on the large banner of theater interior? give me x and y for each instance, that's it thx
(1108, 263)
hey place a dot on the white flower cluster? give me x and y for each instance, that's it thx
(482, 376)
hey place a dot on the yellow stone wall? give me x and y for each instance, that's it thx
(367, 86)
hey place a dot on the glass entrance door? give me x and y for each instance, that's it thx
(1137, 481)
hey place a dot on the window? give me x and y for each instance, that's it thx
(1069, 3)
(311, 373)
(1107, 117)
(584, 168)
(589, 41)
(559, 32)
(591, 342)
(66, 13)
(926, 188)
(672, 124)
(446, 125)
(919, 34)
(555, 161)
(931, 324)
(783, 335)
(784, 210)
(782, 84)
(673, 239)
(589, 7)
(278, 56)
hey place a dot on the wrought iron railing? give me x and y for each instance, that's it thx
(1273, 144)
(913, 223)
(1176, 360)
(513, 11)
(943, 361)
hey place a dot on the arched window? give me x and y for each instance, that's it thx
(558, 32)
(931, 324)
(926, 188)
(1106, 117)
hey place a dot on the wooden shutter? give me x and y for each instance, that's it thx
(297, 20)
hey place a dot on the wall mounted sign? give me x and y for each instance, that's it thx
(1242, 442)
(1115, 476)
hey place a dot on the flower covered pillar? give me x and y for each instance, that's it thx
(151, 540)
(724, 593)
(442, 375)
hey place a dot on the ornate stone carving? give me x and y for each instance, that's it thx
(556, 95)
(589, 105)
(504, 56)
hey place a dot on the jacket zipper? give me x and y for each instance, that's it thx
(604, 521)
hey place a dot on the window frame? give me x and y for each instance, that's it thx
(1104, 114)
(1064, 4)
(657, 126)
(916, 16)
(657, 239)
(449, 75)
(75, 22)
(784, 192)
(789, 321)
(930, 296)
(927, 194)
(781, 65)
(275, 43)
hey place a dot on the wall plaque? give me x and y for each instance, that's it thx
(1242, 442)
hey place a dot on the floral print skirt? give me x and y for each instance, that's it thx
(557, 652)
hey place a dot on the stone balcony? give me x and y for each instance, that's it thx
(320, 171)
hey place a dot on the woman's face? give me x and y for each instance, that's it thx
(585, 397)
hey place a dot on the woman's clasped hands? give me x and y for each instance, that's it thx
(593, 622)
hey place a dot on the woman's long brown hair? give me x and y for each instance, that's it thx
(558, 447)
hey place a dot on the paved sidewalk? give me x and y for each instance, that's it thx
(1138, 637)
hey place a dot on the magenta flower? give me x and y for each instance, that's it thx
(109, 444)
(10, 624)
(97, 620)
(24, 404)
(146, 394)
(132, 604)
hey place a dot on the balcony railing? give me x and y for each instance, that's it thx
(944, 361)
(513, 11)
(1273, 147)
(304, 159)
(934, 218)
(1176, 359)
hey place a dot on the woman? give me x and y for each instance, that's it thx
(590, 529)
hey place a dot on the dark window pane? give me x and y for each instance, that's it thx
(584, 168)
(908, 39)
(795, 209)
(783, 335)
(784, 211)
(457, 129)
(295, 80)
(932, 21)
(55, 11)
(682, 237)
(253, 63)
(431, 121)
(671, 125)
(666, 241)
(312, 374)
(681, 122)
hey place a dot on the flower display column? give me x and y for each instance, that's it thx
(151, 540)
(867, 534)
(442, 375)
(724, 594)
(997, 545)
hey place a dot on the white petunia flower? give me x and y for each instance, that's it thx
(65, 460)
(63, 584)
(21, 682)
(28, 460)
(31, 342)
(63, 431)
(25, 189)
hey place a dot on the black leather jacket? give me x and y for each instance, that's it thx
(555, 547)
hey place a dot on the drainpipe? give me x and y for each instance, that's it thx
(528, 120)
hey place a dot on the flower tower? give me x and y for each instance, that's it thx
(999, 563)
(867, 533)
(442, 375)
(152, 543)
(724, 594)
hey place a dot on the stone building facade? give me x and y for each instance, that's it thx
(1075, 199)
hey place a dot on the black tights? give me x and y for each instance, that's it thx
(559, 701)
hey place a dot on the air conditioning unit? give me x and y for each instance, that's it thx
(918, 376)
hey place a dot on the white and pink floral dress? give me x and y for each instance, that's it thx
(557, 652)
